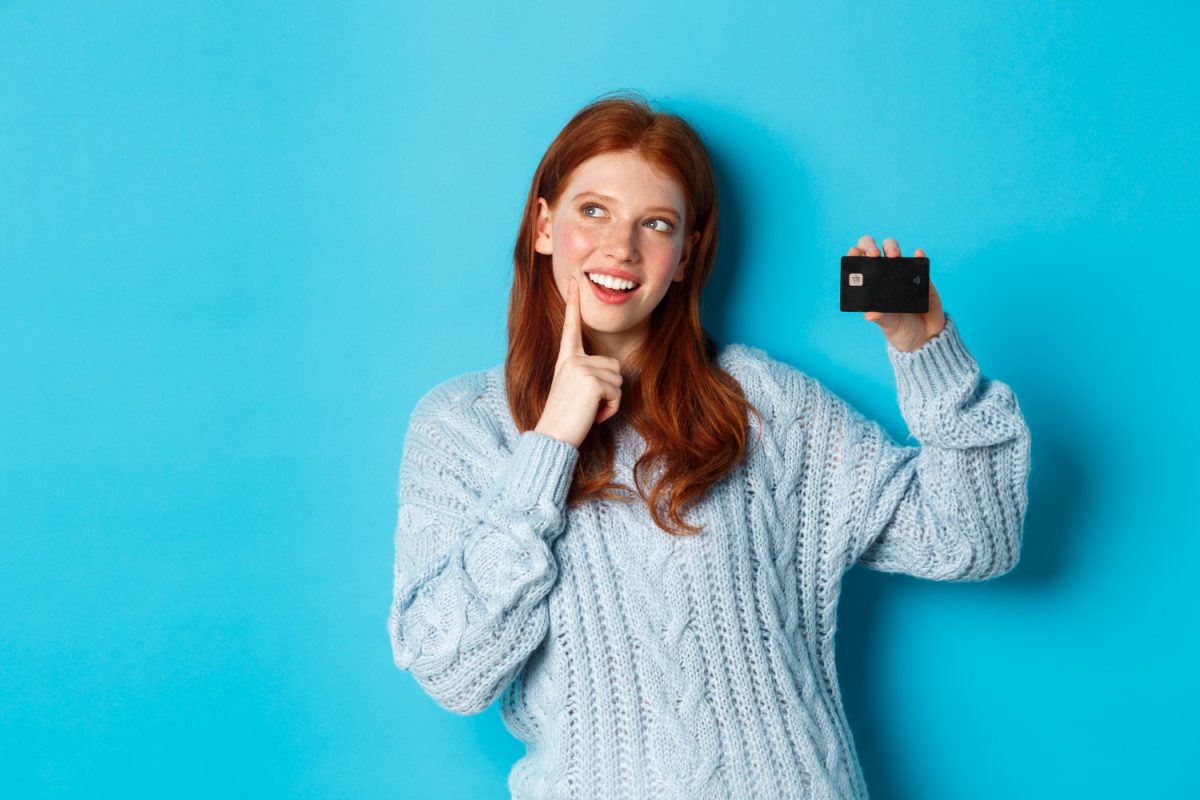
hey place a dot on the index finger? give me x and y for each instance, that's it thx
(572, 331)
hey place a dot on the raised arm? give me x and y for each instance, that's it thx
(473, 561)
(953, 508)
(950, 509)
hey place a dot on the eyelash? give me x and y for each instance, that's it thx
(583, 210)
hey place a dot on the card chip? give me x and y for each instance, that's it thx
(856, 279)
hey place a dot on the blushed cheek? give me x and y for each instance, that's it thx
(575, 245)
(665, 258)
(571, 250)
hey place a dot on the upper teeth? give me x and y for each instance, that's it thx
(610, 281)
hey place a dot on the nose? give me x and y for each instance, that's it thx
(622, 242)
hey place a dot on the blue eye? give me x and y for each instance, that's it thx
(586, 207)
(666, 226)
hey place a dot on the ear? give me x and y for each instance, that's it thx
(688, 245)
(542, 242)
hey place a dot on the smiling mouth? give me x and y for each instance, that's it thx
(611, 284)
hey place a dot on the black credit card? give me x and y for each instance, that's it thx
(885, 284)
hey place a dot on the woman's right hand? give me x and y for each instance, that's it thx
(581, 382)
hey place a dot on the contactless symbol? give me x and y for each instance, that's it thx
(856, 279)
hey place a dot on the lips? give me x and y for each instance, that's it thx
(611, 296)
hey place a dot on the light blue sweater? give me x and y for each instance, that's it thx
(637, 664)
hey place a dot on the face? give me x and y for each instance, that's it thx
(618, 215)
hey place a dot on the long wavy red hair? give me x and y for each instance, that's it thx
(691, 413)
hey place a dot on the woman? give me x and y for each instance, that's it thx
(542, 551)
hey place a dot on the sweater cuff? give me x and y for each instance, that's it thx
(940, 371)
(539, 472)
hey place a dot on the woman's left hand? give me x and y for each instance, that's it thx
(906, 332)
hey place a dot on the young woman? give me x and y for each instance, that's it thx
(636, 538)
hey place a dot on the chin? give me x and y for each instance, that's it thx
(607, 328)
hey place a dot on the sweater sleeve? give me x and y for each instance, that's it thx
(951, 509)
(473, 562)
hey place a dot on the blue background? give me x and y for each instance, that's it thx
(238, 241)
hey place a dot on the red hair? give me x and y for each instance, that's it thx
(691, 413)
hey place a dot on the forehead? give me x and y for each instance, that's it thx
(626, 177)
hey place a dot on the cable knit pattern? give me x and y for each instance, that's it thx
(637, 664)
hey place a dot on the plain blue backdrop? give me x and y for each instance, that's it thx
(239, 240)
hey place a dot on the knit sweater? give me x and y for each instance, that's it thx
(637, 664)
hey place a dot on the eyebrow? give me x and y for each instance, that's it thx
(656, 209)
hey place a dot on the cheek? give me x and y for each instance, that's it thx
(574, 243)
(664, 256)
(572, 248)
